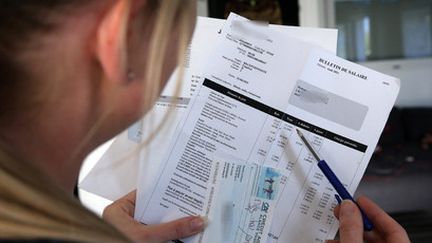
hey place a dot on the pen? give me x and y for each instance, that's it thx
(335, 182)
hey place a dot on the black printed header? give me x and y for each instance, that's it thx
(285, 117)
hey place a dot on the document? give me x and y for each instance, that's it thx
(116, 173)
(235, 156)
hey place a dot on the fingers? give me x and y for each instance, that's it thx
(130, 197)
(336, 211)
(120, 214)
(386, 229)
(128, 202)
(351, 224)
(384, 225)
(124, 205)
(177, 229)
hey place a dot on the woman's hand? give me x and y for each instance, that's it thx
(385, 228)
(120, 214)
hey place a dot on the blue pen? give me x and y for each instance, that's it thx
(337, 185)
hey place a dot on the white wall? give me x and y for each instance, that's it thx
(312, 13)
(415, 74)
(202, 9)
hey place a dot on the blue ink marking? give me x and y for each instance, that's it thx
(268, 183)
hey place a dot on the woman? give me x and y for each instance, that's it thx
(74, 73)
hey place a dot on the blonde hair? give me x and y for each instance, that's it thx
(31, 206)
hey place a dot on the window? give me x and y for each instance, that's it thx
(384, 29)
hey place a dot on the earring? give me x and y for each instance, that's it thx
(131, 75)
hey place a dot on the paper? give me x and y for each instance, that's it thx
(259, 87)
(115, 174)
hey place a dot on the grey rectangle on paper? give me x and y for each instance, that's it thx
(328, 105)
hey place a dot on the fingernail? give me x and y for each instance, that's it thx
(347, 207)
(198, 223)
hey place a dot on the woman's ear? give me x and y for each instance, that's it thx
(111, 49)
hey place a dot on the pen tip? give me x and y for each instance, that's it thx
(298, 132)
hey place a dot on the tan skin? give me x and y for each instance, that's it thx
(386, 229)
(94, 52)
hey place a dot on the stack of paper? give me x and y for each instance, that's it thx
(233, 153)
